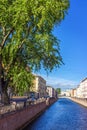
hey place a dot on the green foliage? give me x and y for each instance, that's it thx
(20, 80)
(26, 38)
(58, 90)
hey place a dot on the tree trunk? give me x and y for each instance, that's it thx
(4, 96)
(0, 74)
(3, 86)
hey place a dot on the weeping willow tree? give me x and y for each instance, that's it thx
(26, 39)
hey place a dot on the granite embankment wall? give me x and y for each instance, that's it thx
(80, 101)
(19, 119)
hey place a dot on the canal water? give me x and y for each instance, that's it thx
(62, 115)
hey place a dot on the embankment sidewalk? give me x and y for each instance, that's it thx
(81, 101)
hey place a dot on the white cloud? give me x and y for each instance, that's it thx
(62, 83)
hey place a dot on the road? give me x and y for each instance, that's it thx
(62, 115)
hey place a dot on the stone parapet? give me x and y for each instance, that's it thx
(17, 120)
(82, 101)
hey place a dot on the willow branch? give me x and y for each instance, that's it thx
(6, 36)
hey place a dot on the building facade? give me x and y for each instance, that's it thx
(39, 87)
(52, 92)
(81, 90)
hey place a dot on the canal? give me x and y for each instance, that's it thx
(62, 115)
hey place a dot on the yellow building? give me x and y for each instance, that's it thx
(39, 87)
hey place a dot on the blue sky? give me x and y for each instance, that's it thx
(73, 35)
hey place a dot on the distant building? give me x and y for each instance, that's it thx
(74, 92)
(78, 92)
(83, 88)
(39, 87)
(52, 92)
(65, 93)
